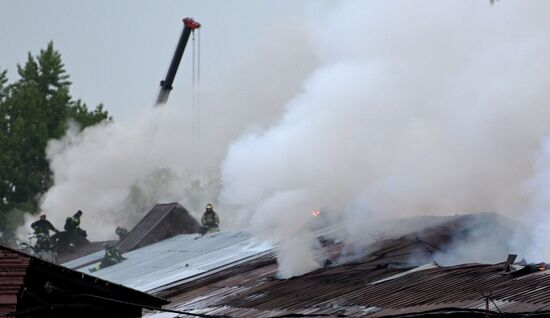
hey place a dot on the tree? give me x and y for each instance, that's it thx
(33, 110)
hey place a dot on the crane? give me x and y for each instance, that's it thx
(190, 26)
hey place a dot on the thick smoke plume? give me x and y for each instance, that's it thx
(372, 110)
(423, 107)
(116, 172)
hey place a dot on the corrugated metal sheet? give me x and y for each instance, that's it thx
(152, 220)
(179, 258)
(383, 283)
(333, 291)
(85, 260)
(82, 251)
(162, 222)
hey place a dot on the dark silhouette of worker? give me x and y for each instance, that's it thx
(73, 223)
(209, 220)
(42, 229)
(121, 232)
(74, 232)
(112, 256)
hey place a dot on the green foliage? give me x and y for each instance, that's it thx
(33, 110)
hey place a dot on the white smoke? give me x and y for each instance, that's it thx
(424, 107)
(368, 111)
(115, 172)
(531, 236)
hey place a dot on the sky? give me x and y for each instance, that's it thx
(116, 52)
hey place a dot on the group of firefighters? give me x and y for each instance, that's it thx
(42, 228)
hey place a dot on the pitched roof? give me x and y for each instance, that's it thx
(26, 283)
(13, 268)
(162, 264)
(83, 250)
(162, 222)
(386, 282)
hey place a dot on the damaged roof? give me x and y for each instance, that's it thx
(389, 281)
(231, 274)
(360, 289)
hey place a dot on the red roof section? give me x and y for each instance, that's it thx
(23, 275)
(381, 284)
(13, 267)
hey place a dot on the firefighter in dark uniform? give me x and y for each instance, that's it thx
(112, 256)
(209, 220)
(121, 232)
(75, 233)
(73, 223)
(42, 229)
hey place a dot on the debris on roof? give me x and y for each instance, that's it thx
(231, 274)
(389, 281)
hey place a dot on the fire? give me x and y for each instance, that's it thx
(315, 213)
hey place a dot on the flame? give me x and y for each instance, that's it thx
(315, 213)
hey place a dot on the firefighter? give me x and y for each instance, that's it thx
(42, 229)
(121, 232)
(73, 223)
(74, 232)
(112, 256)
(209, 220)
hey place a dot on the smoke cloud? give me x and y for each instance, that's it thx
(115, 172)
(368, 111)
(415, 108)
(531, 236)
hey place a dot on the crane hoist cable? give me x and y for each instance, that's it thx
(195, 105)
(197, 167)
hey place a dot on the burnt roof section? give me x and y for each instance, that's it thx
(33, 287)
(381, 284)
(162, 222)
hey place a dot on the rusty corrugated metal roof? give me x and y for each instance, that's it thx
(369, 285)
